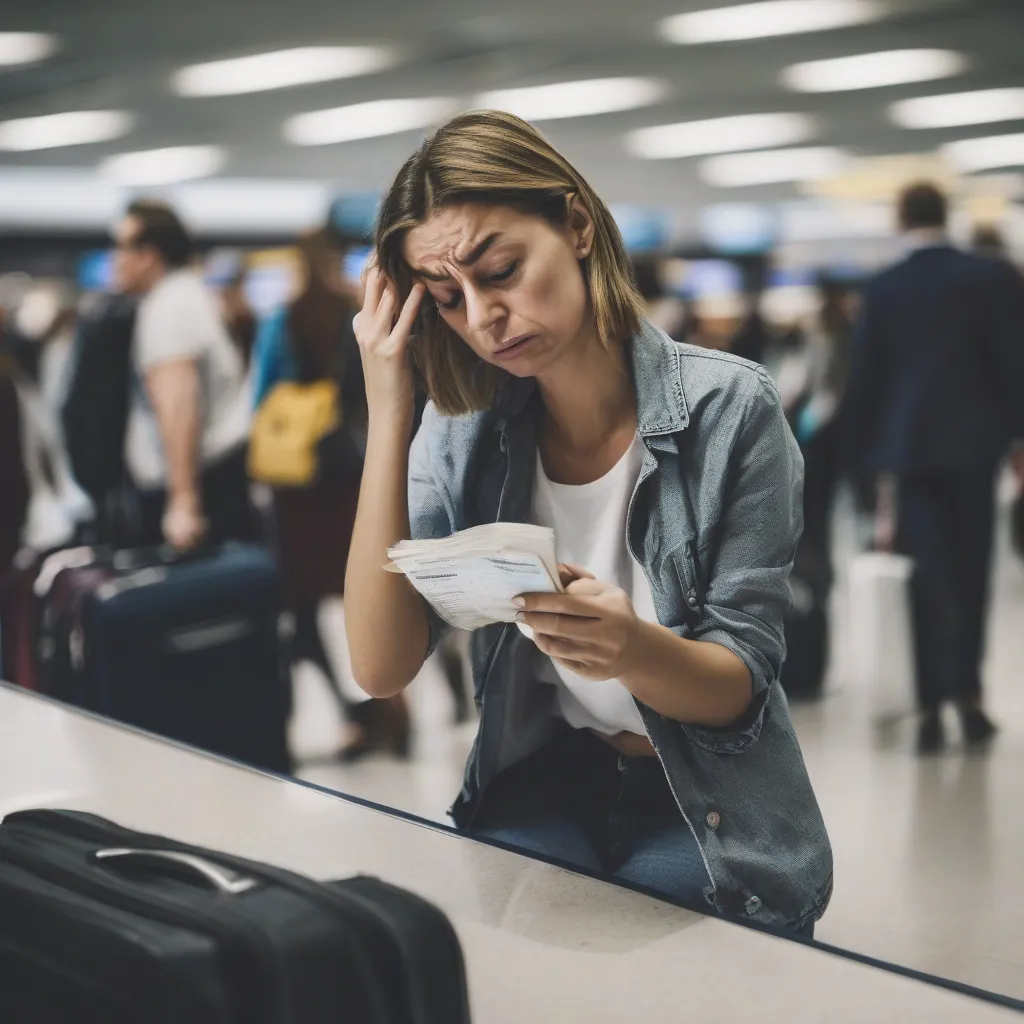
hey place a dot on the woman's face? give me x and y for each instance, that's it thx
(509, 284)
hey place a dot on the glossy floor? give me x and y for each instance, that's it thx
(929, 853)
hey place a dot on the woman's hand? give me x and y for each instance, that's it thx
(592, 629)
(384, 344)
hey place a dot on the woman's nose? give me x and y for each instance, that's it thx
(483, 311)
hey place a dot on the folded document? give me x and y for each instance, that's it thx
(470, 578)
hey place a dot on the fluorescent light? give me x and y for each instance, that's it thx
(770, 167)
(74, 128)
(873, 70)
(25, 47)
(280, 70)
(985, 153)
(163, 166)
(771, 18)
(574, 99)
(980, 107)
(252, 205)
(366, 120)
(56, 197)
(719, 135)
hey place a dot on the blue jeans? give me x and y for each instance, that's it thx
(578, 801)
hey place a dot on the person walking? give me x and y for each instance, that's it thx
(933, 403)
(189, 413)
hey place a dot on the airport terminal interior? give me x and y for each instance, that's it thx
(720, 303)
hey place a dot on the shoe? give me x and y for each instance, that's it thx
(977, 726)
(931, 737)
(381, 725)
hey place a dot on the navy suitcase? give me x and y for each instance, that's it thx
(102, 925)
(186, 648)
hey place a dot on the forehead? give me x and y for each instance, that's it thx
(127, 227)
(452, 233)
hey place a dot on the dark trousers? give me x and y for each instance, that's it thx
(945, 526)
(224, 487)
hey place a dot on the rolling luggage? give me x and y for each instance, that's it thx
(806, 627)
(806, 624)
(102, 925)
(186, 648)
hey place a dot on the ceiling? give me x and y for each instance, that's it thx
(120, 54)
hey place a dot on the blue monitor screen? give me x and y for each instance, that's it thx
(354, 262)
(712, 277)
(96, 271)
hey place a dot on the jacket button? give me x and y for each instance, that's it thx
(692, 601)
(713, 819)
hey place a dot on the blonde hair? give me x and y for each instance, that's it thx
(495, 159)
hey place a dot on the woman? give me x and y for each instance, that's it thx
(668, 473)
(312, 340)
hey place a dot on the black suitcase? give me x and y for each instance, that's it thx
(186, 648)
(103, 925)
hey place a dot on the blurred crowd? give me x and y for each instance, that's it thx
(168, 409)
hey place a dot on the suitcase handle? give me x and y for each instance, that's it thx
(221, 879)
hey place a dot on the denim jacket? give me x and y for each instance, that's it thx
(714, 521)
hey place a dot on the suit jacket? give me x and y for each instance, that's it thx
(937, 379)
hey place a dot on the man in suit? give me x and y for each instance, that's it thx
(936, 396)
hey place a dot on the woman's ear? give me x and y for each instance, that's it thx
(581, 226)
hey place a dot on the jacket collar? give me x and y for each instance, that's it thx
(657, 377)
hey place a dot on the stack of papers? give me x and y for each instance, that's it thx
(470, 578)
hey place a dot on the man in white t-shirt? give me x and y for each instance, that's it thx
(189, 411)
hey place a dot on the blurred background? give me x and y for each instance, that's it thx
(752, 156)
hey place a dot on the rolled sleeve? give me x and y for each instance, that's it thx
(173, 325)
(748, 592)
(428, 514)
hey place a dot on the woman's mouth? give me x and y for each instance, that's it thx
(512, 348)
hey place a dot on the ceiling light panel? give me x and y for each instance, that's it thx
(574, 99)
(163, 166)
(984, 106)
(985, 153)
(281, 69)
(873, 70)
(770, 18)
(719, 135)
(25, 48)
(367, 120)
(73, 128)
(770, 167)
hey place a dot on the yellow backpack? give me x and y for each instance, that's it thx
(287, 430)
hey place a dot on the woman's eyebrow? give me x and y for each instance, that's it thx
(465, 261)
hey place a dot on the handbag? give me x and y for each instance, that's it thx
(289, 430)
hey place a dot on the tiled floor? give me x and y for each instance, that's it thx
(929, 853)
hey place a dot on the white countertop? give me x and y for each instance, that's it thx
(541, 944)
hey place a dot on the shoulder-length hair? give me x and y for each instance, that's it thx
(495, 159)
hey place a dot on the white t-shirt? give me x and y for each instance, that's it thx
(589, 521)
(179, 320)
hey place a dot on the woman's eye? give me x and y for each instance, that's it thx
(452, 303)
(504, 275)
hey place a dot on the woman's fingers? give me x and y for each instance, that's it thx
(385, 315)
(411, 309)
(569, 627)
(557, 647)
(568, 573)
(375, 282)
